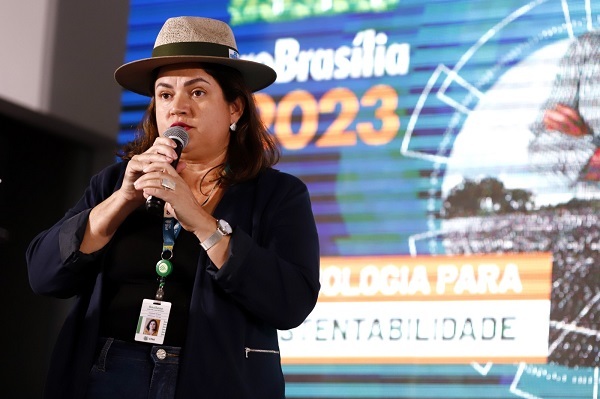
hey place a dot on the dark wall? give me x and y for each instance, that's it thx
(42, 174)
(46, 162)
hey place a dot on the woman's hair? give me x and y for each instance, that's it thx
(251, 148)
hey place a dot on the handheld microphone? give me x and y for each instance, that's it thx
(179, 135)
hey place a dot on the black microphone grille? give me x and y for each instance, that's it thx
(177, 132)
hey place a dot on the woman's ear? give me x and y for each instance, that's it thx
(236, 109)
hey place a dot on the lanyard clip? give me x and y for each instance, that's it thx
(160, 292)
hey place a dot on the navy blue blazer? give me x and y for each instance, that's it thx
(270, 282)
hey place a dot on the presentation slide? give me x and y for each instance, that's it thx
(450, 149)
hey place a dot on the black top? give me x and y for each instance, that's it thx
(130, 277)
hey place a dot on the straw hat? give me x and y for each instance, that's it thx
(192, 39)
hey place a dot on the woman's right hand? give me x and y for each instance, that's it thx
(161, 152)
(106, 217)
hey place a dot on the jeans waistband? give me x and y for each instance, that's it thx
(137, 350)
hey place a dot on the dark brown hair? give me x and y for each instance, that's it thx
(251, 148)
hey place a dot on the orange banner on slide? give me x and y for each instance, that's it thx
(516, 276)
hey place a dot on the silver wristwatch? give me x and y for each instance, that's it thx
(223, 229)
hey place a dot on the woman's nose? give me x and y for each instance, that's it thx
(179, 105)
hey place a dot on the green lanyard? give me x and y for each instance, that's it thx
(164, 267)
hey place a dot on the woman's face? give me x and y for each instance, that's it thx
(188, 96)
(152, 325)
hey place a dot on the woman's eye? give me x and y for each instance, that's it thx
(165, 96)
(197, 93)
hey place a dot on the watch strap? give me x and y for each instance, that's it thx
(213, 239)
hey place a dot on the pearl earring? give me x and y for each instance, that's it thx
(233, 126)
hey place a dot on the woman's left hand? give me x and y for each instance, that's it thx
(161, 180)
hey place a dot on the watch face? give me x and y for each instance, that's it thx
(224, 227)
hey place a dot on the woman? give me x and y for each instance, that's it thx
(151, 327)
(234, 257)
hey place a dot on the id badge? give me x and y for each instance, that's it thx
(153, 320)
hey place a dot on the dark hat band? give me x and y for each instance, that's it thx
(195, 48)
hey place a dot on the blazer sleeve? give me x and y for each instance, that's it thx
(55, 265)
(274, 272)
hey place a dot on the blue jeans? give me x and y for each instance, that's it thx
(133, 371)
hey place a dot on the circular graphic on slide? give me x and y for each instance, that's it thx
(526, 186)
(494, 146)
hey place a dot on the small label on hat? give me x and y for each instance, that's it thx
(233, 54)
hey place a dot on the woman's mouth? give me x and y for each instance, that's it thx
(181, 124)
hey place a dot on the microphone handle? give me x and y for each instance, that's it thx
(155, 205)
